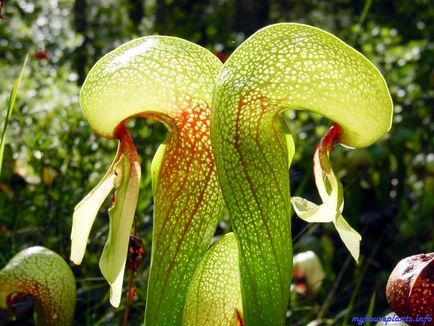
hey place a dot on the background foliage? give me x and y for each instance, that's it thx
(52, 158)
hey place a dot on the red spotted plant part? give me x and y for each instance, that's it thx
(410, 289)
(170, 80)
(227, 145)
(46, 277)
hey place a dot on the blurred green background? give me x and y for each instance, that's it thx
(52, 158)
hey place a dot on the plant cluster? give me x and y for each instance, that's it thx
(51, 157)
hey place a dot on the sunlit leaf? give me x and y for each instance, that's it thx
(114, 255)
(215, 293)
(85, 212)
(156, 164)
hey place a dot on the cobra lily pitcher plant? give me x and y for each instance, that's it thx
(228, 149)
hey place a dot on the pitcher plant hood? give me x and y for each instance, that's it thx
(171, 80)
(287, 67)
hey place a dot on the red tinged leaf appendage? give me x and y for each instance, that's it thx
(331, 138)
(127, 144)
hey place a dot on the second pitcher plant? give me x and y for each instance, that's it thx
(286, 67)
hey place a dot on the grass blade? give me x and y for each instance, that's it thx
(370, 311)
(11, 105)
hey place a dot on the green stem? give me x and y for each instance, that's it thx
(130, 297)
(254, 177)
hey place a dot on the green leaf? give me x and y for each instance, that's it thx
(281, 67)
(114, 256)
(290, 147)
(214, 293)
(313, 213)
(350, 237)
(45, 276)
(11, 104)
(331, 193)
(124, 177)
(85, 212)
(156, 165)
